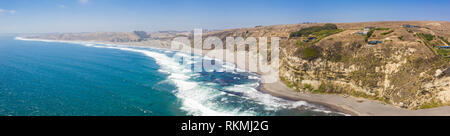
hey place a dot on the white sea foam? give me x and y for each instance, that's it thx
(270, 102)
(195, 98)
(253, 77)
(56, 41)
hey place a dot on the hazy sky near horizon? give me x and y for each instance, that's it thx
(46, 16)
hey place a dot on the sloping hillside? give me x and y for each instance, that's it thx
(97, 36)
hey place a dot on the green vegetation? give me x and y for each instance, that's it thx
(309, 53)
(386, 33)
(314, 29)
(288, 84)
(325, 33)
(444, 40)
(444, 52)
(432, 104)
(369, 34)
(326, 88)
(382, 29)
(401, 38)
(298, 42)
(330, 88)
(308, 87)
(371, 97)
(322, 87)
(316, 33)
(427, 37)
(409, 31)
(371, 31)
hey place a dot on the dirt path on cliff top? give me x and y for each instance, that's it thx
(351, 105)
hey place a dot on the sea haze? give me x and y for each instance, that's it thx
(50, 78)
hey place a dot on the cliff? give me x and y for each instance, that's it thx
(406, 69)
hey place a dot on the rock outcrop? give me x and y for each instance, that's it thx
(403, 71)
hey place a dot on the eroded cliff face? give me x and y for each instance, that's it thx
(402, 71)
(401, 79)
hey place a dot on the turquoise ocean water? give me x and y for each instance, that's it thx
(43, 78)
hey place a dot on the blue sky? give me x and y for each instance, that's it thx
(44, 16)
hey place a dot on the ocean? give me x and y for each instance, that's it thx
(48, 78)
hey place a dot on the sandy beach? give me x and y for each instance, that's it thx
(350, 105)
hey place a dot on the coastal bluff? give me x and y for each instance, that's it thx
(395, 63)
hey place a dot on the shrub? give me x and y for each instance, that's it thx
(322, 87)
(443, 52)
(330, 26)
(309, 53)
(383, 29)
(369, 34)
(308, 86)
(445, 40)
(313, 29)
(386, 33)
(335, 52)
(432, 104)
(427, 37)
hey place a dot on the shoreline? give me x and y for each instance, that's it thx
(275, 89)
(349, 105)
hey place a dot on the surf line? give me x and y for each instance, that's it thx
(193, 126)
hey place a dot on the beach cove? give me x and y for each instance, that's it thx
(185, 92)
